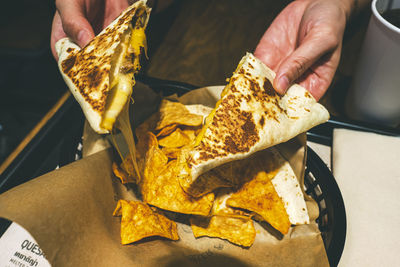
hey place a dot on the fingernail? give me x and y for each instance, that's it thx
(283, 84)
(83, 37)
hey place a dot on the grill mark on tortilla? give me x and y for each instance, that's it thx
(307, 94)
(234, 136)
(128, 68)
(68, 63)
(95, 76)
(268, 88)
(262, 121)
(85, 67)
(226, 136)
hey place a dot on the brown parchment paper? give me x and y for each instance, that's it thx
(69, 213)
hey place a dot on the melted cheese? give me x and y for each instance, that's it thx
(121, 82)
(121, 90)
(120, 96)
(137, 42)
(124, 125)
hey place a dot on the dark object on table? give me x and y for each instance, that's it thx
(392, 16)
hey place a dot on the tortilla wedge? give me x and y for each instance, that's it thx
(101, 75)
(251, 116)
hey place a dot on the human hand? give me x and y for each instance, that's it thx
(304, 42)
(80, 20)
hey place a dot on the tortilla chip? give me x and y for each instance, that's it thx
(191, 132)
(221, 209)
(236, 230)
(171, 152)
(176, 113)
(162, 189)
(155, 160)
(140, 221)
(231, 174)
(122, 175)
(259, 195)
(175, 139)
(167, 130)
(205, 183)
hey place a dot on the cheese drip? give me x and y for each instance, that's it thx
(124, 125)
(137, 42)
(122, 80)
(121, 88)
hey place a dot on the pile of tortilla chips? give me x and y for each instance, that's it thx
(222, 203)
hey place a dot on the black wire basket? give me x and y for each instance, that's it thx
(60, 143)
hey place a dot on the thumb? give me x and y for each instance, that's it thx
(312, 48)
(74, 21)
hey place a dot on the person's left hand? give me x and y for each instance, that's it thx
(81, 20)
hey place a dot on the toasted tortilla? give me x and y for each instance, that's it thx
(100, 75)
(251, 116)
(289, 189)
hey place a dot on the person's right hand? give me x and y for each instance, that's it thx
(80, 20)
(304, 42)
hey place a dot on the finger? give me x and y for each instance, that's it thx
(267, 53)
(319, 76)
(313, 47)
(57, 33)
(74, 21)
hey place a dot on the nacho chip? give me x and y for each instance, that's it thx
(191, 132)
(122, 175)
(221, 209)
(171, 152)
(259, 195)
(206, 183)
(231, 174)
(162, 189)
(155, 160)
(175, 139)
(236, 230)
(167, 130)
(176, 113)
(140, 221)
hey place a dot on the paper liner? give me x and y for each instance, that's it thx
(69, 213)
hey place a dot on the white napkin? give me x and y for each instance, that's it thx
(367, 169)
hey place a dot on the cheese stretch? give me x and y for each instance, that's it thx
(122, 80)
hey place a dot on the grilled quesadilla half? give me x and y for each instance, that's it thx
(249, 117)
(101, 75)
